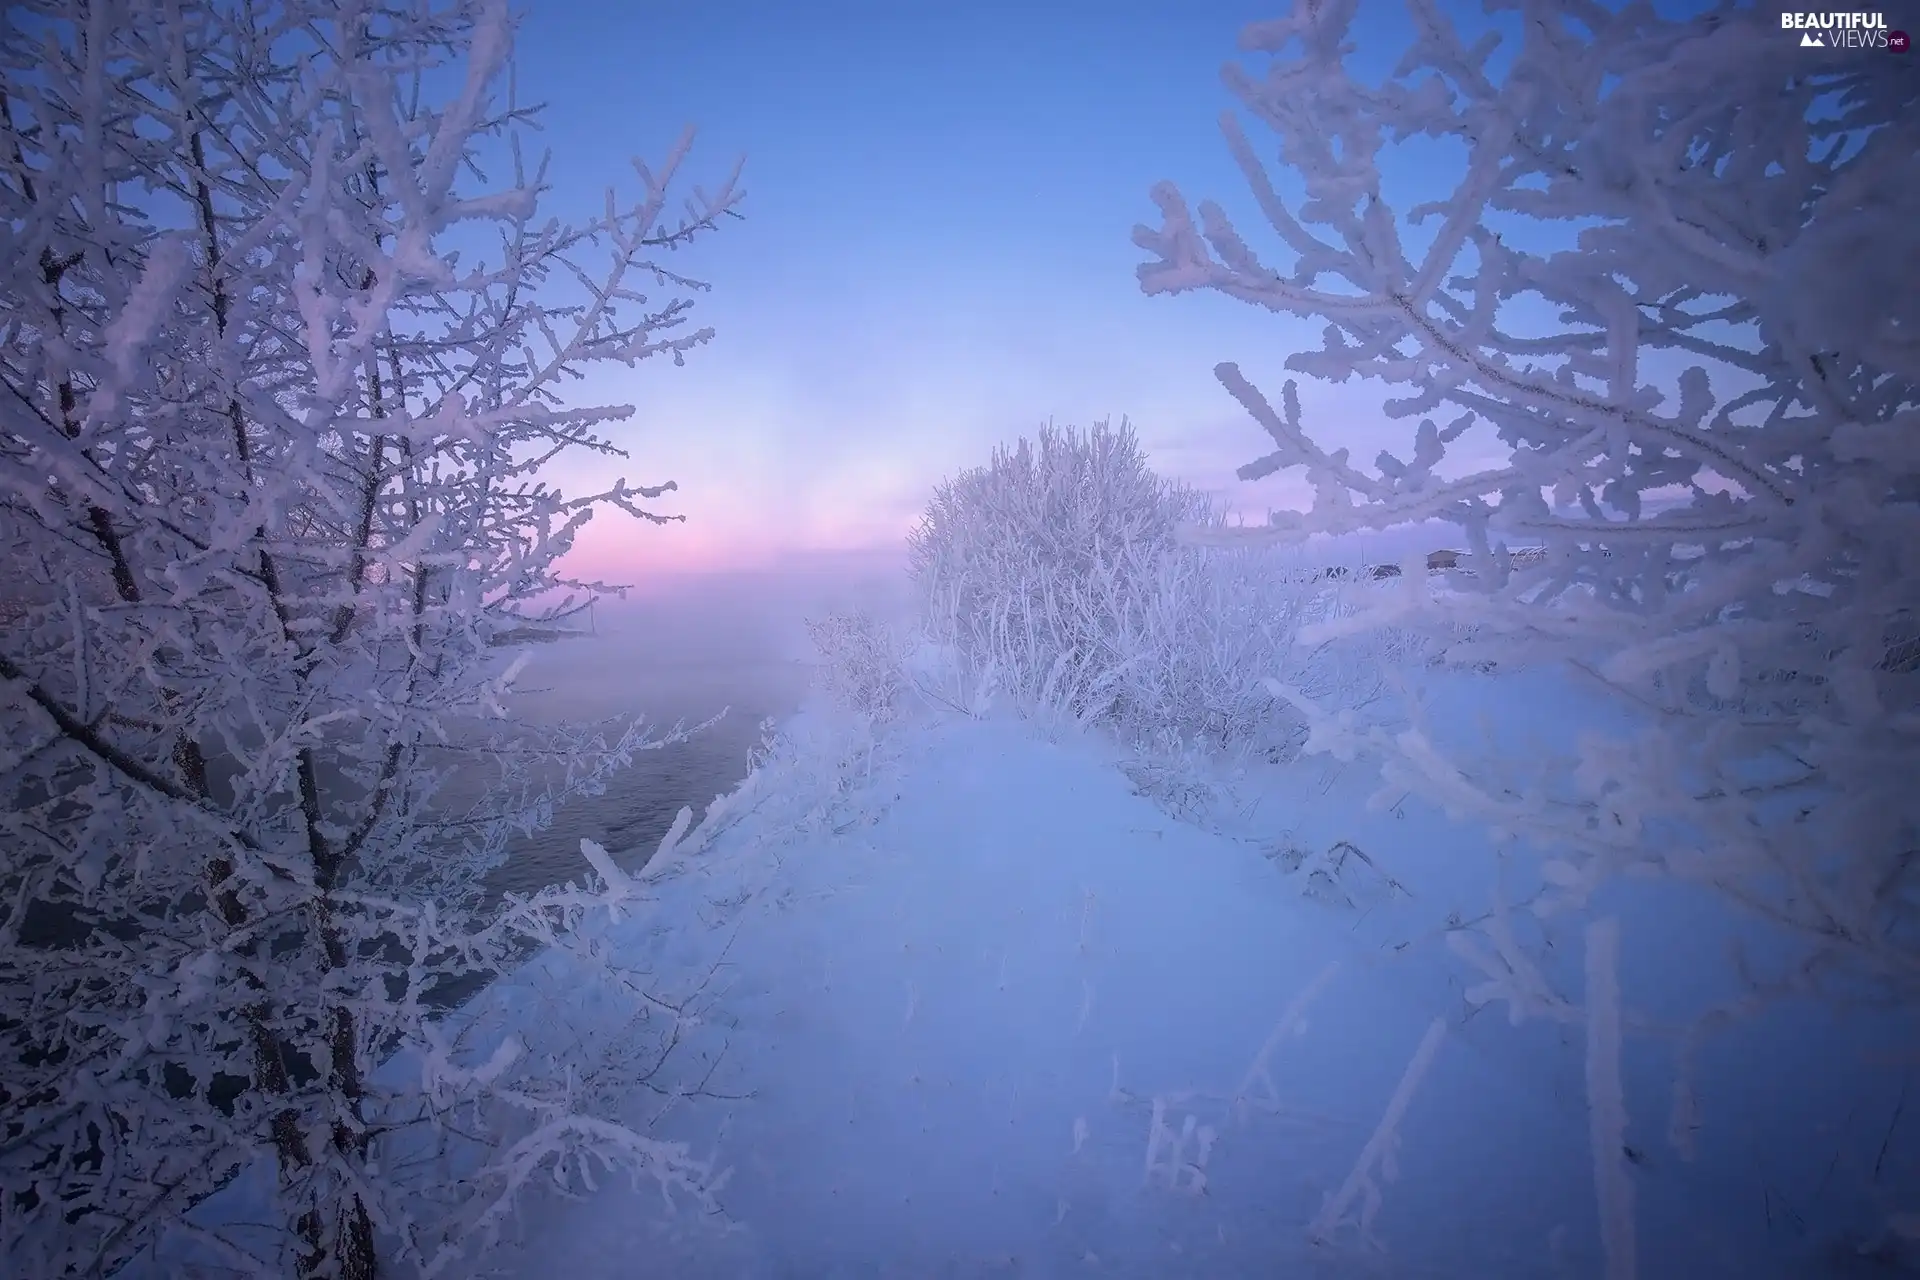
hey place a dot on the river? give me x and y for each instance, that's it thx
(681, 652)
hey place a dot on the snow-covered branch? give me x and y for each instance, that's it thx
(270, 447)
(1659, 395)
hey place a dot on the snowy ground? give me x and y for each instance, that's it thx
(975, 1007)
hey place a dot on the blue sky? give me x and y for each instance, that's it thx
(936, 256)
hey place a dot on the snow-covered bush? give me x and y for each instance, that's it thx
(1647, 330)
(1211, 621)
(281, 364)
(862, 663)
(1024, 565)
(1066, 501)
(1052, 578)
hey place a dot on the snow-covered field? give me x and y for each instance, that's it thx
(967, 1003)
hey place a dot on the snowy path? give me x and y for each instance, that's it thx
(962, 1022)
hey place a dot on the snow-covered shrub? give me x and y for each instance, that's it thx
(862, 663)
(281, 364)
(1052, 577)
(1647, 331)
(1023, 565)
(1192, 624)
(1212, 620)
(1179, 776)
(1067, 500)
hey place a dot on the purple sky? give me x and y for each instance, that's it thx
(936, 256)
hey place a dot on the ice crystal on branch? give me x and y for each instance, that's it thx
(1658, 383)
(270, 498)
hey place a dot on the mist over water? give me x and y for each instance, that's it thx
(683, 650)
(686, 648)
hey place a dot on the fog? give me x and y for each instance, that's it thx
(685, 648)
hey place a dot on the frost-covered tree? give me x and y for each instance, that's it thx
(286, 343)
(1653, 330)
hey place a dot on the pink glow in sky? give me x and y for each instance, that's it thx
(936, 258)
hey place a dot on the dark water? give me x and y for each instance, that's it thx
(640, 802)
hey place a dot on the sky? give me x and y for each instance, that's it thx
(935, 258)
